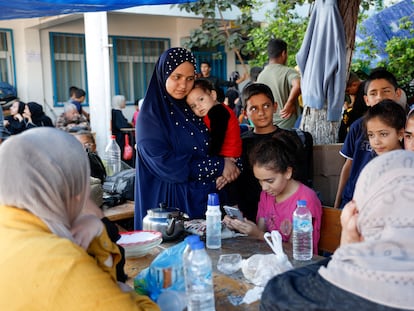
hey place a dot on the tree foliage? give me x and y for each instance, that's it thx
(244, 35)
(400, 59)
(215, 30)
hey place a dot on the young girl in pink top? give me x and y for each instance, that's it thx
(274, 163)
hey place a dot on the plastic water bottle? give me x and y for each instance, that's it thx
(198, 275)
(189, 240)
(213, 222)
(112, 157)
(171, 300)
(302, 232)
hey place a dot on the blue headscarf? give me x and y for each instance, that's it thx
(172, 164)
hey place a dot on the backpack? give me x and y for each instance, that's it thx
(97, 167)
(121, 184)
(305, 165)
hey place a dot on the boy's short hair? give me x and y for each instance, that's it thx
(380, 73)
(205, 62)
(275, 47)
(79, 93)
(255, 89)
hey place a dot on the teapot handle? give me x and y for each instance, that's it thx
(171, 226)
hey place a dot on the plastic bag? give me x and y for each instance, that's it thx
(128, 151)
(259, 269)
(164, 273)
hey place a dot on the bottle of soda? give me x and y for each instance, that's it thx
(198, 276)
(213, 222)
(112, 158)
(302, 232)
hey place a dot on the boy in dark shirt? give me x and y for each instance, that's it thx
(259, 107)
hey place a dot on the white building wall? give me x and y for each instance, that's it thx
(32, 47)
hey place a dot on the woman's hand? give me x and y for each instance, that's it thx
(230, 171)
(221, 182)
(349, 217)
(246, 226)
(85, 228)
(18, 117)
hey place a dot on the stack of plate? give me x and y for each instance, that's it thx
(139, 243)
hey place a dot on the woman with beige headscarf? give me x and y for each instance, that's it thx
(55, 257)
(373, 269)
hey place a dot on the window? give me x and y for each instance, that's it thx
(7, 70)
(134, 60)
(68, 64)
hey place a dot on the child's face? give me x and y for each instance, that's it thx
(260, 110)
(409, 135)
(200, 101)
(382, 137)
(14, 109)
(272, 182)
(352, 88)
(379, 90)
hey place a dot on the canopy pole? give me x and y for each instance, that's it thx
(99, 81)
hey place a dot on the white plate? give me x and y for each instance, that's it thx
(139, 243)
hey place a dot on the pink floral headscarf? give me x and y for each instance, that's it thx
(46, 172)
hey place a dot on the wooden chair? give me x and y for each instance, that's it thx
(330, 234)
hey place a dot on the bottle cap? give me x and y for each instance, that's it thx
(113, 137)
(213, 199)
(301, 202)
(192, 239)
(197, 245)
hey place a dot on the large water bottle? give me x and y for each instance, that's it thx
(302, 232)
(189, 240)
(112, 157)
(198, 275)
(213, 222)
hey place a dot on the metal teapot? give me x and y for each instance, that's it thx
(168, 221)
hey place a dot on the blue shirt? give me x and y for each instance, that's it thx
(356, 148)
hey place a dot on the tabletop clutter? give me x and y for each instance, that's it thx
(182, 275)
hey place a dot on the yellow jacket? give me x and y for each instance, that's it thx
(42, 271)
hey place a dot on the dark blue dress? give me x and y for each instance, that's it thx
(172, 164)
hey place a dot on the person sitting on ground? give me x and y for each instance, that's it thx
(274, 165)
(373, 268)
(15, 121)
(57, 255)
(71, 121)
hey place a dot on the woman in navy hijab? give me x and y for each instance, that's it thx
(173, 165)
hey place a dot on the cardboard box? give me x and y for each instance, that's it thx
(327, 166)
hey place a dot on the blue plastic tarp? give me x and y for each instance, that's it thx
(382, 27)
(13, 9)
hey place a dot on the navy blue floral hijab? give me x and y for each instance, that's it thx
(169, 138)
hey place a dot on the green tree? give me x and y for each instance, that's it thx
(400, 59)
(215, 30)
(282, 22)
